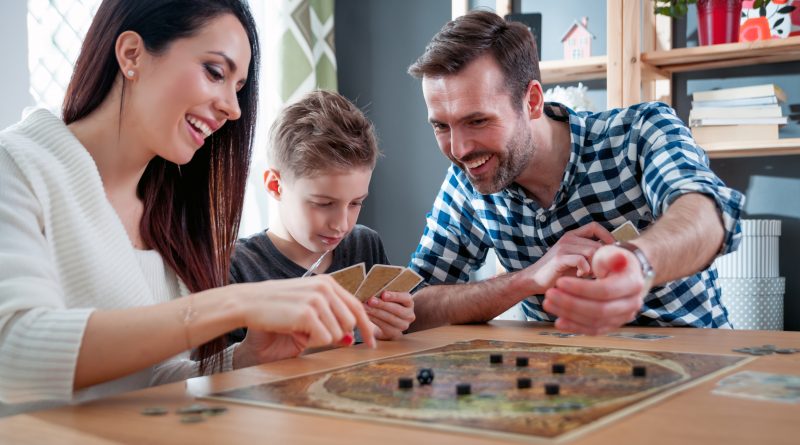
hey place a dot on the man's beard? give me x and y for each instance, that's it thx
(510, 164)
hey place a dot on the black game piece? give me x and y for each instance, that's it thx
(639, 371)
(523, 382)
(522, 361)
(425, 376)
(559, 368)
(551, 389)
(496, 358)
(463, 389)
(405, 383)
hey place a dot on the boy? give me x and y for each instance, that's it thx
(321, 156)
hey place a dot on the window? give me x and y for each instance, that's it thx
(55, 32)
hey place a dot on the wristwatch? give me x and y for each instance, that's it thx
(647, 269)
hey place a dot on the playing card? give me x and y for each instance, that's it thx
(407, 280)
(559, 334)
(378, 277)
(761, 386)
(351, 277)
(625, 232)
(638, 336)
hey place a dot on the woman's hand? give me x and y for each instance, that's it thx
(317, 308)
(263, 347)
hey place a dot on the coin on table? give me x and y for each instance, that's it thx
(196, 408)
(216, 410)
(192, 418)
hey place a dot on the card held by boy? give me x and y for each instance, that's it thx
(378, 277)
(405, 282)
(351, 277)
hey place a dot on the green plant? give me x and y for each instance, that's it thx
(673, 8)
(678, 8)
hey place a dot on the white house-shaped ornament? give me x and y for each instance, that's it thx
(577, 40)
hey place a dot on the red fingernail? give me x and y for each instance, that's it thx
(347, 340)
(618, 263)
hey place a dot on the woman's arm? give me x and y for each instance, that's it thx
(120, 342)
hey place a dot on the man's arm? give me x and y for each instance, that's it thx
(482, 301)
(696, 219)
(685, 240)
(463, 303)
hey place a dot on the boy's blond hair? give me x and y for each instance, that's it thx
(322, 131)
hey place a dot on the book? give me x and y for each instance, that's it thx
(746, 102)
(704, 121)
(741, 93)
(731, 112)
(725, 133)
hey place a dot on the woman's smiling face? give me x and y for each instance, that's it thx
(180, 97)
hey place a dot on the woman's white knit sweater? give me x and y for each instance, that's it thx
(64, 253)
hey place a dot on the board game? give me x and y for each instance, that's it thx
(494, 388)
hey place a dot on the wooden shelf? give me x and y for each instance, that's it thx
(788, 146)
(724, 55)
(563, 71)
(679, 60)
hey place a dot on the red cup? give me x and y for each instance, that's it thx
(718, 21)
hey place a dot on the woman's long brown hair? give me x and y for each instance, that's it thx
(192, 212)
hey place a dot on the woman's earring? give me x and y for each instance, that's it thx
(130, 73)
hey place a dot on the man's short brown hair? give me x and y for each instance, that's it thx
(472, 35)
(322, 131)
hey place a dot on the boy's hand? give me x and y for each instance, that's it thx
(262, 347)
(392, 314)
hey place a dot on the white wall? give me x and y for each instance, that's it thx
(14, 83)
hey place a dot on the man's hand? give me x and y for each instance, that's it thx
(391, 314)
(598, 306)
(571, 256)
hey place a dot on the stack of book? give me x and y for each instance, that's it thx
(737, 114)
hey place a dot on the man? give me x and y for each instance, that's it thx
(543, 186)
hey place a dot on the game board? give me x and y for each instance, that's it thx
(596, 388)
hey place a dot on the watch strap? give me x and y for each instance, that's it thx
(647, 269)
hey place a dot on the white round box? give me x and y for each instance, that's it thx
(757, 255)
(754, 303)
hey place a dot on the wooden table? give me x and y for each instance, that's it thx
(691, 416)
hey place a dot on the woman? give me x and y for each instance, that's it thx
(132, 201)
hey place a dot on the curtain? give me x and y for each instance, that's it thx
(297, 56)
(307, 57)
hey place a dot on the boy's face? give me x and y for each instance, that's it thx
(317, 212)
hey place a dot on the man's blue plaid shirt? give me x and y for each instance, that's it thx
(626, 165)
